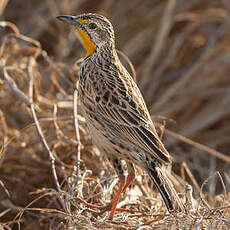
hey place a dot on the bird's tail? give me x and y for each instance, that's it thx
(165, 187)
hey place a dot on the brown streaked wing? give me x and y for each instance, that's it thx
(132, 128)
(133, 122)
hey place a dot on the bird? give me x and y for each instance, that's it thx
(115, 111)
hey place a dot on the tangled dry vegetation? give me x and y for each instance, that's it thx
(180, 50)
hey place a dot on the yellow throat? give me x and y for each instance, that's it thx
(88, 44)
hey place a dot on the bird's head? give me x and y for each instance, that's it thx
(94, 30)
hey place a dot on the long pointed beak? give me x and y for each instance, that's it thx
(70, 20)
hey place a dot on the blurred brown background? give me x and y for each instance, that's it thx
(181, 53)
(180, 50)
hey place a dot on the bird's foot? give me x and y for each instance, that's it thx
(105, 208)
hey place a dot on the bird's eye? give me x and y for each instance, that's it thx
(92, 26)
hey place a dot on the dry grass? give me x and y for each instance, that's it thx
(180, 50)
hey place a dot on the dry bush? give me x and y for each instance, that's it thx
(180, 50)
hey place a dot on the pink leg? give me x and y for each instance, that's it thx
(115, 199)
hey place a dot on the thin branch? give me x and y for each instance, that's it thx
(223, 185)
(201, 191)
(76, 171)
(184, 165)
(11, 83)
(39, 130)
(166, 24)
(204, 148)
(3, 5)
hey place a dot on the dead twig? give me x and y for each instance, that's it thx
(76, 172)
(39, 130)
(204, 148)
